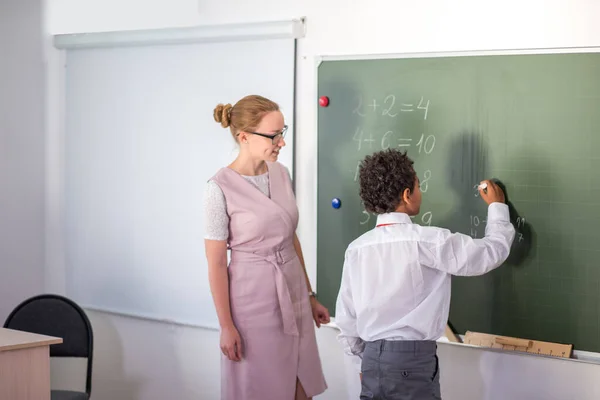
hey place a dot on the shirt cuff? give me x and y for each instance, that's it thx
(498, 212)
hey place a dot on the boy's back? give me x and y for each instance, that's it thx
(399, 274)
(394, 296)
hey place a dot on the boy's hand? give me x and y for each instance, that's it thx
(490, 192)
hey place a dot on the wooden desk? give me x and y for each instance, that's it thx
(25, 365)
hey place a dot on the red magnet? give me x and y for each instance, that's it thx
(323, 101)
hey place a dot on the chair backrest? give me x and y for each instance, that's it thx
(54, 315)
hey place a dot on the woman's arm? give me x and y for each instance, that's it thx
(218, 278)
(215, 244)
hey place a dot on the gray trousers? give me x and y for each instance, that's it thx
(400, 370)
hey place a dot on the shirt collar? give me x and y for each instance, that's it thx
(393, 218)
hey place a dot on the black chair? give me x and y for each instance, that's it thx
(54, 315)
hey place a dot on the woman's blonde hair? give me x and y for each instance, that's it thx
(245, 115)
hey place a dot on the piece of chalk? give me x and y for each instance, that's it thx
(482, 186)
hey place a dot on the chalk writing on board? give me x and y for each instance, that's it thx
(359, 138)
(385, 141)
(389, 108)
(425, 181)
(367, 217)
(475, 223)
(391, 100)
(404, 142)
(424, 107)
(374, 105)
(409, 107)
(520, 225)
(426, 218)
(426, 144)
(359, 107)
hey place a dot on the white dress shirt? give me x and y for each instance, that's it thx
(396, 277)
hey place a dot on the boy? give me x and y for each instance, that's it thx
(394, 297)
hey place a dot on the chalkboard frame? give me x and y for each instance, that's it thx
(577, 355)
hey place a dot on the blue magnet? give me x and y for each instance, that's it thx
(336, 203)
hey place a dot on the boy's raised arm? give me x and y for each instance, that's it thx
(459, 254)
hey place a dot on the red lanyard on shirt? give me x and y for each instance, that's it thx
(391, 223)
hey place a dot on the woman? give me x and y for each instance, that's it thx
(264, 300)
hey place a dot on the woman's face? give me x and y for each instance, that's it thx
(266, 140)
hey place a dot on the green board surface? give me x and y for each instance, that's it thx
(532, 121)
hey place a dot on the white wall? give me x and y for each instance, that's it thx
(144, 360)
(22, 146)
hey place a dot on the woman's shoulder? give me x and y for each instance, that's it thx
(219, 175)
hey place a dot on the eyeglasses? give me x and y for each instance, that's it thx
(275, 138)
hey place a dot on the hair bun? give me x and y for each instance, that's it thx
(222, 114)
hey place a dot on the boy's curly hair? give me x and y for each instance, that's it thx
(384, 176)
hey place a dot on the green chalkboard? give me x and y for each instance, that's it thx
(532, 121)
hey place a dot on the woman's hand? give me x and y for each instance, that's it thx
(319, 311)
(231, 343)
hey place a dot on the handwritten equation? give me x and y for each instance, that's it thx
(371, 141)
(425, 218)
(376, 129)
(425, 144)
(389, 106)
(477, 224)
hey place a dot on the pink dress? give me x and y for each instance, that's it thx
(268, 293)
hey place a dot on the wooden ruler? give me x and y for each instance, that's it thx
(521, 345)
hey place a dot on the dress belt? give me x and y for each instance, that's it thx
(277, 258)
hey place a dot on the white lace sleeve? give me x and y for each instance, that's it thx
(216, 220)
